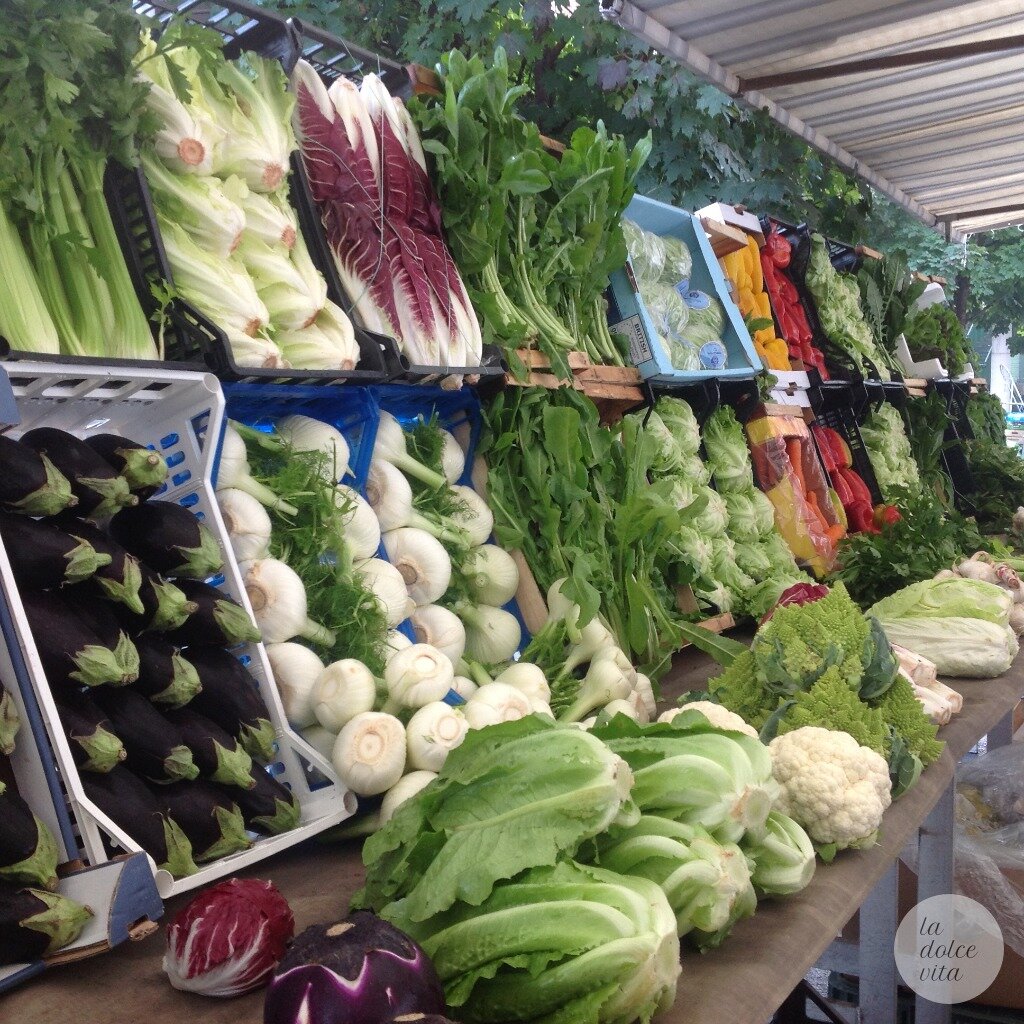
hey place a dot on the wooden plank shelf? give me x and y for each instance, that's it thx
(615, 390)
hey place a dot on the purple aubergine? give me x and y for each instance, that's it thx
(218, 755)
(164, 606)
(129, 803)
(267, 806)
(10, 722)
(156, 747)
(119, 578)
(207, 815)
(70, 651)
(28, 851)
(230, 696)
(35, 923)
(94, 744)
(143, 469)
(30, 483)
(218, 620)
(166, 676)
(169, 539)
(43, 556)
(358, 971)
(99, 490)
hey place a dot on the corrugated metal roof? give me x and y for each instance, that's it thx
(945, 137)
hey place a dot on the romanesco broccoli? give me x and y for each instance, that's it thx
(741, 690)
(800, 642)
(901, 709)
(831, 704)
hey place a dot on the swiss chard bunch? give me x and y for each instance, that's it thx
(998, 473)
(987, 417)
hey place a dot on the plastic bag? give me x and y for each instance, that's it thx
(646, 254)
(678, 261)
(994, 784)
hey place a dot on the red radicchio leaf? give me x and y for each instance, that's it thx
(229, 939)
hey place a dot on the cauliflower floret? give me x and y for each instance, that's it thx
(837, 789)
(718, 716)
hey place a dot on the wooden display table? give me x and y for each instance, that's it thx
(742, 982)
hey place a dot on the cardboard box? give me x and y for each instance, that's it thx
(734, 217)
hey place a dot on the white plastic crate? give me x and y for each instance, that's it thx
(181, 414)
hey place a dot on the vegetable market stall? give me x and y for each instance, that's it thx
(739, 983)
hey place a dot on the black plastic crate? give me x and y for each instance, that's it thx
(833, 404)
(131, 212)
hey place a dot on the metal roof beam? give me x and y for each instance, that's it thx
(992, 211)
(884, 63)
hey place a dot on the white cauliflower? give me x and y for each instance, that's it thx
(718, 716)
(834, 787)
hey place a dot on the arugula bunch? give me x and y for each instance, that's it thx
(574, 498)
(534, 236)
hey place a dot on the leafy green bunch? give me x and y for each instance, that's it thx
(998, 474)
(926, 538)
(887, 295)
(936, 333)
(987, 417)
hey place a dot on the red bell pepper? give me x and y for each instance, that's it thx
(857, 485)
(887, 515)
(825, 447)
(842, 489)
(861, 517)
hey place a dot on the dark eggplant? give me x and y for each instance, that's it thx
(70, 651)
(231, 698)
(10, 721)
(43, 556)
(169, 539)
(94, 744)
(100, 491)
(218, 621)
(30, 483)
(268, 807)
(156, 749)
(211, 820)
(99, 617)
(165, 606)
(28, 851)
(218, 755)
(35, 923)
(143, 469)
(120, 578)
(166, 676)
(131, 805)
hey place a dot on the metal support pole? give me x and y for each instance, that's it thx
(1002, 733)
(877, 963)
(935, 878)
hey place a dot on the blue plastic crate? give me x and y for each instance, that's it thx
(628, 315)
(457, 411)
(349, 409)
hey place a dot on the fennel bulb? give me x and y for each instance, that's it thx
(388, 587)
(416, 676)
(609, 677)
(389, 494)
(491, 574)
(320, 739)
(496, 703)
(390, 446)
(361, 529)
(560, 608)
(406, 787)
(595, 637)
(621, 707)
(341, 691)
(440, 628)
(644, 691)
(453, 458)
(233, 472)
(464, 687)
(369, 753)
(423, 562)
(432, 732)
(493, 635)
(477, 519)
(278, 600)
(527, 679)
(247, 523)
(296, 669)
(396, 641)
(306, 434)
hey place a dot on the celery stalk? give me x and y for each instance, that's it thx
(136, 338)
(24, 319)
